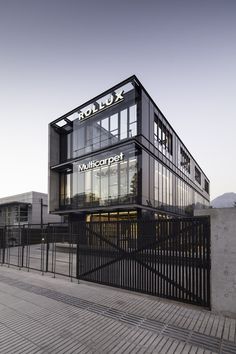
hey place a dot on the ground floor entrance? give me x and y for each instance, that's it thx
(168, 258)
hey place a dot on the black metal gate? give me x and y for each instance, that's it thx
(168, 258)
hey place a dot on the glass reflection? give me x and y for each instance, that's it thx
(123, 124)
(103, 185)
(93, 134)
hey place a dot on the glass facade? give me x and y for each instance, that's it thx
(101, 185)
(118, 150)
(106, 128)
(14, 214)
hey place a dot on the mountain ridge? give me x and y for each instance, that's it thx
(226, 200)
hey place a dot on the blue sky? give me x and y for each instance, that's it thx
(57, 54)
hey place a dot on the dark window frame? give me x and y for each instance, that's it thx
(197, 175)
(184, 160)
(206, 186)
(162, 136)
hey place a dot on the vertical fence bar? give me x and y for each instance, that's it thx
(42, 251)
(197, 260)
(8, 248)
(208, 258)
(192, 260)
(27, 261)
(47, 240)
(205, 265)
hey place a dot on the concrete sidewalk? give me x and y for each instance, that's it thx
(40, 314)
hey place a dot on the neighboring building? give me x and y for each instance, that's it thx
(117, 157)
(26, 208)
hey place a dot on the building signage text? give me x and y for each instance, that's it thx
(108, 161)
(101, 106)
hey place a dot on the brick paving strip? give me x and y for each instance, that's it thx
(44, 315)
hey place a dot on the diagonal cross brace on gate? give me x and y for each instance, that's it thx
(134, 255)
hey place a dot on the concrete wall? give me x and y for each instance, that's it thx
(36, 209)
(223, 259)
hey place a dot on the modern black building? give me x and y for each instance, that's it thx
(117, 157)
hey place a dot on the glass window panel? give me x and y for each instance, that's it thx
(123, 124)
(160, 182)
(74, 183)
(104, 132)
(113, 182)
(104, 183)
(162, 137)
(114, 136)
(23, 213)
(155, 128)
(123, 178)
(93, 134)
(133, 177)
(132, 114)
(156, 182)
(164, 192)
(79, 141)
(159, 133)
(105, 123)
(69, 145)
(96, 136)
(62, 187)
(114, 122)
(114, 128)
(133, 129)
(68, 189)
(179, 195)
(156, 174)
(96, 184)
(89, 138)
(88, 185)
(87, 181)
(197, 175)
(104, 139)
(167, 187)
(79, 197)
(171, 189)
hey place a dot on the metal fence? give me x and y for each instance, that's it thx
(47, 248)
(167, 258)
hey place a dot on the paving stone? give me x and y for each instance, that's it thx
(173, 347)
(180, 348)
(46, 315)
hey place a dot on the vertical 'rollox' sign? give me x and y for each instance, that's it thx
(98, 107)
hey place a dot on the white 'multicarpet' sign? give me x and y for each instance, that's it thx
(98, 107)
(108, 161)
